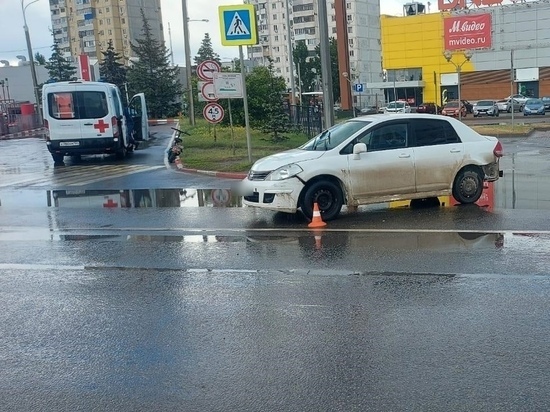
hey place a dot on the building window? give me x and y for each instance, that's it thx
(275, 16)
(110, 32)
(107, 10)
(274, 5)
(350, 17)
(351, 53)
(108, 21)
(350, 29)
(334, 30)
(123, 20)
(348, 5)
(275, 28)
(276, 38)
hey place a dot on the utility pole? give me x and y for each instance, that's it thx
(188, 72)
(290, 54)
(31, 57)
(326, 72)
(171, 48)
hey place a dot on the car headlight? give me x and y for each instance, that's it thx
(285, 172)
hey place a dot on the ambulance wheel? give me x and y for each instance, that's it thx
(57, 158)
(121, 153)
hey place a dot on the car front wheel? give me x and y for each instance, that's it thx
(328, 197)
(468, 185)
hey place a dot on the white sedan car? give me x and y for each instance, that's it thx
(375, 159)
(397, 107)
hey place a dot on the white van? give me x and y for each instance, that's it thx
(84, 118)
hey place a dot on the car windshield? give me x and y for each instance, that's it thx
(485, 103)
(452, 104)
(534, 101)
(332, 137)
(396, 105)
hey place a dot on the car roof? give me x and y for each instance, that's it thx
(387, 116)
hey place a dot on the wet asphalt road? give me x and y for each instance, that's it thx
(231, 309)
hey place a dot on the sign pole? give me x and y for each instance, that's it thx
(231, 125)
(245, 103)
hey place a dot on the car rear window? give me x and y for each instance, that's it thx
(430, 132)
(77, 105)
(485, 103)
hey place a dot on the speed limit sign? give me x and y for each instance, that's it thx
(213, 112)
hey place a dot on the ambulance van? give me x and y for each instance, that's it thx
(87, 118)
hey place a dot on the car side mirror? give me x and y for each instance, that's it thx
(358, 149)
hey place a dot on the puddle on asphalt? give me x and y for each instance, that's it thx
(511, 192)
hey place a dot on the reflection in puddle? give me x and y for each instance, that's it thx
(143, 198)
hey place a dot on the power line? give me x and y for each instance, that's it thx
(24, 50)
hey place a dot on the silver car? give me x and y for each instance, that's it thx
(486, 108)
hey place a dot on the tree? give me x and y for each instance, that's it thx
(39, 59)
(303, 67)
(152, 74)
(206, 51)
(333, 48)
(276, 121)
(59, 68)
(110, 68)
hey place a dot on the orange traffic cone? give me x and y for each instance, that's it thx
(317, 220)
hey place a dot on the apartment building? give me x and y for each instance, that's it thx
(363, 27)
(86, 26)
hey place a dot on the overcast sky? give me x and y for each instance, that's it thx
(12, 39)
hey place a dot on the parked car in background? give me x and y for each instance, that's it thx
(375, 159)
(486, 108)
(469, 106)
(546, 101)
(533, 106)
(519, 97)
(397, 107)
(451, 109)
(505, 105)
(369, 110)
(430, 108)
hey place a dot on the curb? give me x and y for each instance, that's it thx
(26, 133)
(227, 175)
(156, 122)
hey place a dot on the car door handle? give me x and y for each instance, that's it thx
(88, 124)
(456, 150)
(404, 155)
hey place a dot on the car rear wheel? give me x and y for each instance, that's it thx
(328, 197)
(468, 185)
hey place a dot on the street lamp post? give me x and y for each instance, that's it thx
(458, 66)
(31, 57)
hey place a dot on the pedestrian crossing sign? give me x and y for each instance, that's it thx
(238, 25)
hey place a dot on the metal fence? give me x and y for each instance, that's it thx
(12, 120)
(306, 119)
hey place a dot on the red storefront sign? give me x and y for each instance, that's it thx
(471, 31)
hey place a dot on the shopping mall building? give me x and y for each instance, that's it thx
(508, 47)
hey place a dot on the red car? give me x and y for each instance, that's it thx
(430, 108)
(451, 109)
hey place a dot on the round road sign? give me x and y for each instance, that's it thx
(213, 112)
(208, 92)
(221, 197)
(207, 68)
